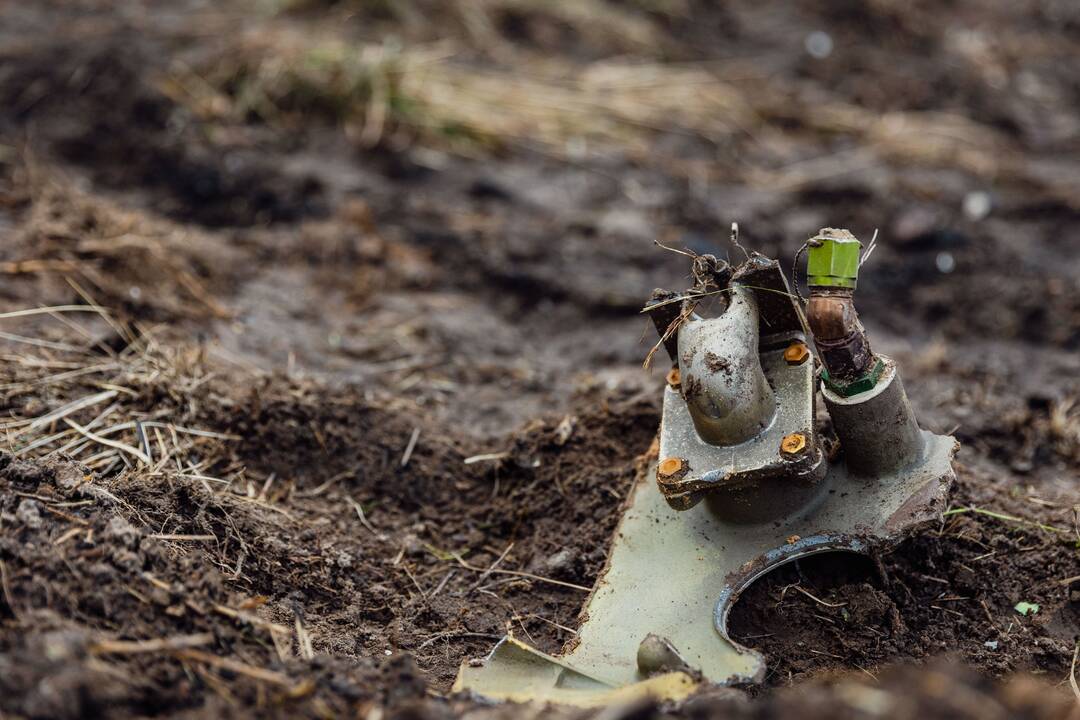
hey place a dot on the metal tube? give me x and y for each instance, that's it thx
(877, 428)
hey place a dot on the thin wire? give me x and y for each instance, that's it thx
(869, 249)
(735, 239)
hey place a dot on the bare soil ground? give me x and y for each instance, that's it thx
(340, 372)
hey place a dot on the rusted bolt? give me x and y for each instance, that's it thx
(796, 353)
(669, 467)
(793, 444)
(673, 377)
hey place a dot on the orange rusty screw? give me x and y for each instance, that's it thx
(796, 353)
(669, 467)
(793, 444)
(673, 377)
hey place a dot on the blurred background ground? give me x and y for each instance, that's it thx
(346, 246)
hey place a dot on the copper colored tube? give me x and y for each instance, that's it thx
(838, 335)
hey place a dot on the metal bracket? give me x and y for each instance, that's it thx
(730, 503)
(677, 574)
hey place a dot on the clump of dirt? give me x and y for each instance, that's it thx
(293, 531)
(111, 616)
(941, 690)
(149, 268)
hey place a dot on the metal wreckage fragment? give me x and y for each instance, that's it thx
(744, 482)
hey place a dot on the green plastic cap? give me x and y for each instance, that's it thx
(833, 259)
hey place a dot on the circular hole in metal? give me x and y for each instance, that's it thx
(808, 604)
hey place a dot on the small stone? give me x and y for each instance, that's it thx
(560, 562)
(414, 547)
(126, 560)
(63, 645)
(100, 572)
(818, 44)
(68, 476)
(121, 531)
(977, 205)
(945, 262)
(29, 513)
(657, 655)
(565, 429)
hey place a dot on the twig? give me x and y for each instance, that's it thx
(60, 377)
(491, 568)
(690, 294)
(519, 573)
(6, 587)
(144, 441)
(193, 538)
(72, 407)
(446, 578)
(39, 343)
(319, 490)
(452, 633)
(117, 327)
(951, 612)
(303, 639)
(135, 452)
(54, 309)
(410, 447)
(687, 253)
(869, 249)
(872, 675)
(67, 536)
(1072, 673)
(564, 628)
(363, 518)
(671, 330)
(255, 673)
(405, 567)
(827, 654)
(67, 516)
(735, 239)
(485, 457)
(191, 431)
(816, 599)
(1002, 516)
(133, 647)
(253, 620)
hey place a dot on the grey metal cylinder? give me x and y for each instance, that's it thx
(877, 428)
(725, 389)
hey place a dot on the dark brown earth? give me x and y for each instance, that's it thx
(371, 362)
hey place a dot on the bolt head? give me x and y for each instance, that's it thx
(796, 353)
(669, 467)
(793, 444)
(833, 259)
